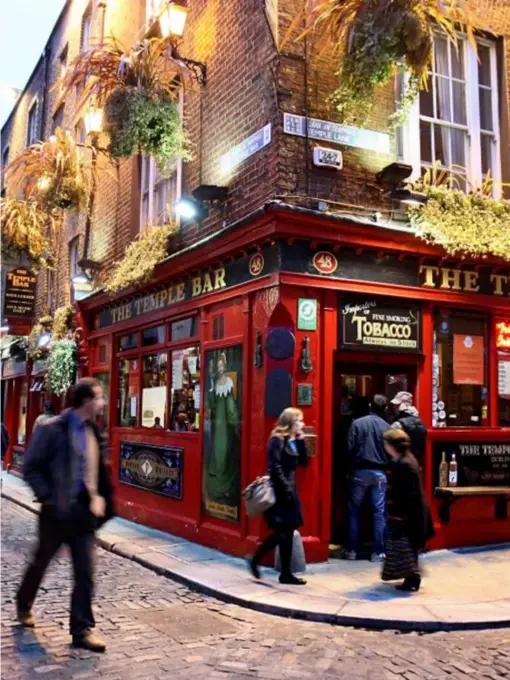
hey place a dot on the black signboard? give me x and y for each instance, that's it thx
(20, 294)
(478, 464)
(379, 324)
(152, 468)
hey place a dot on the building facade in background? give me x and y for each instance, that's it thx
(305, 286)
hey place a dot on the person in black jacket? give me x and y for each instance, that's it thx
(409, 519)
(286, 450)
(65, 467)
(368, 462)
(408, 420)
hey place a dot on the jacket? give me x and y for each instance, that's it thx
(407, 505)
(49, 469)
(417, 432)
(282, 465)
(365, 446)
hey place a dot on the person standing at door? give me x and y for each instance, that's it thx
(286, 450)
(368, 462)
(65, 467)
(408, 420)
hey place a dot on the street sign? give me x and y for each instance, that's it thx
(307, 314)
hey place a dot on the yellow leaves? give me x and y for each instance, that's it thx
(141, 257)
(27, 229)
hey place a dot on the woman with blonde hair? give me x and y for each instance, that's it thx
(286, 450)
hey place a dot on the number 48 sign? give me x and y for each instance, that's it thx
(307, 314)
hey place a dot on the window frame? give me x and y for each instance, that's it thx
(410, 151)
(140, 352)
(32, 135)
(86, 29)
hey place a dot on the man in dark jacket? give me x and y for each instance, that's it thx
(368, 462)
(408, 420)
(65, 467)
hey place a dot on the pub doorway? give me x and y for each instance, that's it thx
(357, 378)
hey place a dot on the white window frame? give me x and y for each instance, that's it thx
(32, 122)
(410, 133)
(86, 29)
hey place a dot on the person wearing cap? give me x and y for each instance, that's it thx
(408, 420)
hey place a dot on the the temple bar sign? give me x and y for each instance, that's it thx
(465, 280)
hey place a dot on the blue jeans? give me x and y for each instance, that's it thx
(363, 482)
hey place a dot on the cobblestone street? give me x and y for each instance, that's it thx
(156, 629)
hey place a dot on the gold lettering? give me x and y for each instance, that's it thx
(181, 291)
(172, 297)
(429, 272)
(207, 287)
(128, 311)
(450, 278)
(219, 278)
(196, 286)
(138, 306)
(498, 280)
(153, 301)
(121, 313)
(471, 282)
(114, 315)
(146, 304)
(163, 296)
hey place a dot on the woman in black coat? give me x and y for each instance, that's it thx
(409, 520)
(286, 450)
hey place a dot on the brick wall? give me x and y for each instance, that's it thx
(250, 83)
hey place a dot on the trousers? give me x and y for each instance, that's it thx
(283, 538)
(372, 482)
(53, 533)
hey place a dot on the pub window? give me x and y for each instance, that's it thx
(153, 336)
(104, 380)
(58, 119)
(32, 124)
(154, 390)
(185, 390)
(129, 384)
(129, 341)
(503, 349)
(183, 329)
(86, 29)
(22, 413)
(459, 380)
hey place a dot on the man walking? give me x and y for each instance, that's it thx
(408, 420)
(65, 467)
(368, 462)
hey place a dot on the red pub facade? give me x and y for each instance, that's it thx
(199, 365)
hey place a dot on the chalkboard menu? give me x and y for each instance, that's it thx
(479, 464)
(378, 324)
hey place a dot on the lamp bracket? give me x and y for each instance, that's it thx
(197, 69)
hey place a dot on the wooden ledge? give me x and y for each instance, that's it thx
(473, 491)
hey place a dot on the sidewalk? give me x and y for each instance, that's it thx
(463, 589)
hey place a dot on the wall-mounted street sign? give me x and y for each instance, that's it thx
(327, 131)
(378, 324)
(257, 141)
(20, 294)
(307, 314)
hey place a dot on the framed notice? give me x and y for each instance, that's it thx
(376, 324)
(468, 359)
(152, 468)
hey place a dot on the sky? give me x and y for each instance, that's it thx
(25, 26)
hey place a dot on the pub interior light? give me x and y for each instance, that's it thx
(172, 20)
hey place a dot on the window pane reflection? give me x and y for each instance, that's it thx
(154, 390)
(129, 386)
(185, 401)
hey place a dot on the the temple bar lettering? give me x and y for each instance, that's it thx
(465, 280)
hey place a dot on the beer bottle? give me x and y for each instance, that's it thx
(443, 471)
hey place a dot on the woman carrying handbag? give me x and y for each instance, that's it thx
(286, 450)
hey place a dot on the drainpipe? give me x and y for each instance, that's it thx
(44, 107)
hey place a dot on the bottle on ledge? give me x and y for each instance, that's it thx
(443, 471)
(452, 472)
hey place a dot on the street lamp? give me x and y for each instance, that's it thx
(172, 20)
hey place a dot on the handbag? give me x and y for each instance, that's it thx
(259, 496)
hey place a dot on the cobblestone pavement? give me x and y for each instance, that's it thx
(157, 629)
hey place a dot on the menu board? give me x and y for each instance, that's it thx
(479, 464)
(504, 376)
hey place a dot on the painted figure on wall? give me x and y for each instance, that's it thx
(223, 443)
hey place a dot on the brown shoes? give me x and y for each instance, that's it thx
(90, 642)
(26, 618)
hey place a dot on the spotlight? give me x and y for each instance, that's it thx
(44, 340)
(190, 209)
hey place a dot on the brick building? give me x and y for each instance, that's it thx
(288, 231)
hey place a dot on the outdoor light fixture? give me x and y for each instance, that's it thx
(395, 173)
(44, 340)
(93, 121)
(407, 197)
(82, 286)
(172, 20)
(193, 208)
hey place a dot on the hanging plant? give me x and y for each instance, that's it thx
(141, 257)
(28, 231)
(53, 174)
(61, 320)
(135, 122)
(62, 366)
(378, 39)
(33, 349)
(138, 89)
(468, 224)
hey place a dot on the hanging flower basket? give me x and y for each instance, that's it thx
(136, 122)
(28, 231)
(62, 366)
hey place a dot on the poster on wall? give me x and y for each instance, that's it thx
(152, 468)
(468, 359)
(221, 491)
